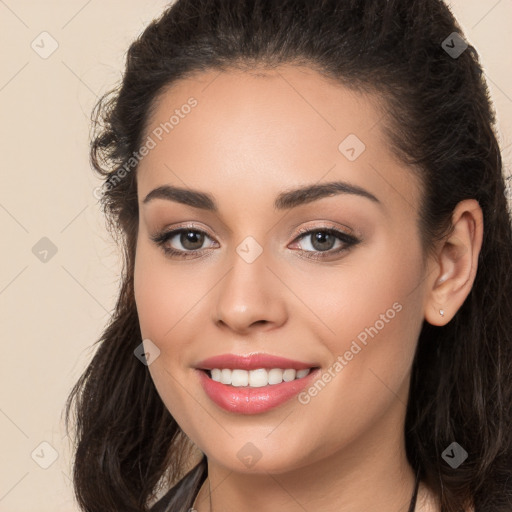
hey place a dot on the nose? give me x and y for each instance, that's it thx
(250, 297)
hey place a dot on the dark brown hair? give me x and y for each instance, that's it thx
(439, 120)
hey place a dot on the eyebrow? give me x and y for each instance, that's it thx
(284, 201)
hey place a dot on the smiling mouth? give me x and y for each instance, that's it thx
(257, 378)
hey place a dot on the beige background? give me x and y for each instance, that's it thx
(53, 311)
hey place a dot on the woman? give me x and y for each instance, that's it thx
(315, 305)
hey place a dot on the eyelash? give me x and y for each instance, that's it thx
(349, 241)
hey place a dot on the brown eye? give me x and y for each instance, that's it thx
(322, 242)
(182, 243)
(191, 240)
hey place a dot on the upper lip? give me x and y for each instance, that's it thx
(251, 362)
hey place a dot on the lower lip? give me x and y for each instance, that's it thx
(247, 400)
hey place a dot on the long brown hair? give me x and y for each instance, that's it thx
(439, 120)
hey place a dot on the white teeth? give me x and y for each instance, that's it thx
(256, 378)
(239, 378)
(289, 375)
(225, 376)
(275, 376)
(216, 375)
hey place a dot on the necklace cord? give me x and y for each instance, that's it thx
(412, 506)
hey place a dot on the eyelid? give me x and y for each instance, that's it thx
(328, 225)
(170, 232)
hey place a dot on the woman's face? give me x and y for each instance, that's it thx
(348, 303)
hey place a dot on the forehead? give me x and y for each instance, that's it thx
(288, 100)
(253, 129)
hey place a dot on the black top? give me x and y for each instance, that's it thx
(175, 500)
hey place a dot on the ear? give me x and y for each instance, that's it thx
(455, 264)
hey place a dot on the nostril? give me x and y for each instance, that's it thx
(260, 322)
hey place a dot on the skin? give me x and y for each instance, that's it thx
(251, 137)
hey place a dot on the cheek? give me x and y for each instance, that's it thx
(374, 315)
(380, 314)
(170, 300)
(378, 322)
(163, 294)
(153, 296)
(165, 308)
(374, 293)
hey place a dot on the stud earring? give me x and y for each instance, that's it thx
(441, 312)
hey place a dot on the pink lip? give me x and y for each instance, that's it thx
(247, 400)
(252, 362)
